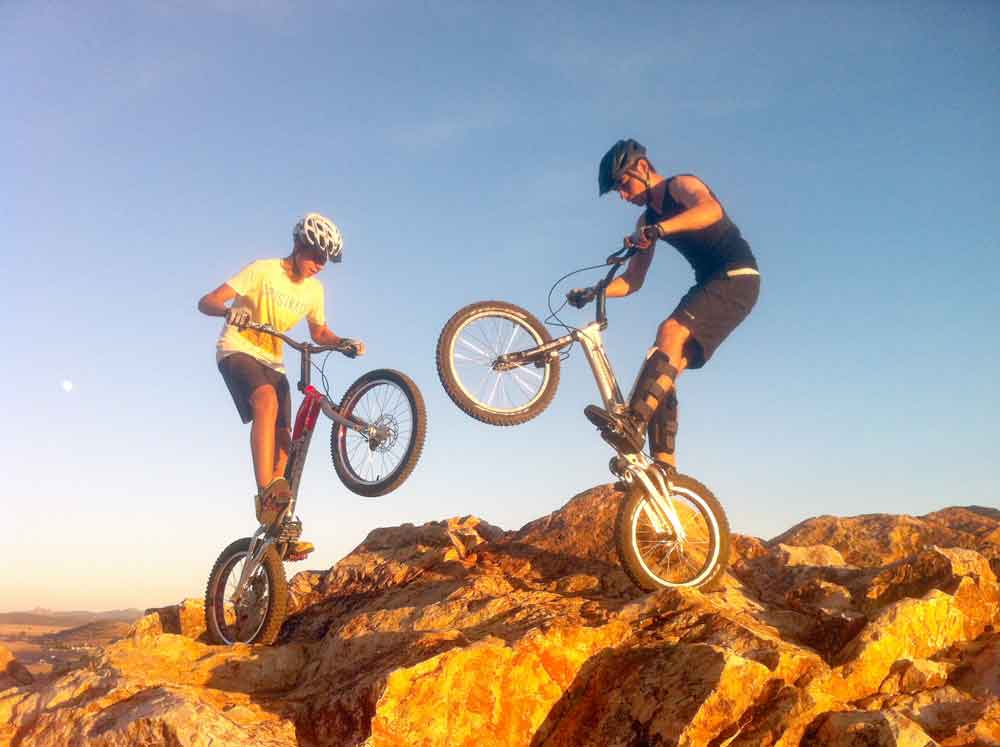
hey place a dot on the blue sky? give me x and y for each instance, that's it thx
(150, 150)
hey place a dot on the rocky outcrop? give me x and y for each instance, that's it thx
(869, 630)
(12, 672)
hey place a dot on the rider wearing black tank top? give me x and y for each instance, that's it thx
(708, 250)
(685, 213)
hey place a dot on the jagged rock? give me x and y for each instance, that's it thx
(907, 676)
(931, 568)
(392, 557)
(812, 555)
(875, 540)
(186, 618)
(866, 729)
(88, 709)
(496, 693)
(870, 630)
(12, 672)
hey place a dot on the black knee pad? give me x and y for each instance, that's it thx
(663, 426)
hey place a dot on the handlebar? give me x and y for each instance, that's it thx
(302, 347)
(307, 349)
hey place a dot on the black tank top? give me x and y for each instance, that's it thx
(709, 250)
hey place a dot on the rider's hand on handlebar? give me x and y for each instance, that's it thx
(580, 297)
(643, 239)
(239, 318)
(350, 347)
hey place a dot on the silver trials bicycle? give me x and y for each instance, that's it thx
(376, 439)
(500, 365)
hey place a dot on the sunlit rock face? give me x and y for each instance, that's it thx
(12, 672)
(870, 630)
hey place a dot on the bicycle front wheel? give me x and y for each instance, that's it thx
(260, 611)
(467, 361)
(375, 465)
(657, 557)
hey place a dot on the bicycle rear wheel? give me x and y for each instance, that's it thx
(390, 401)
(467, 352)
(657, 560)
(258, 616)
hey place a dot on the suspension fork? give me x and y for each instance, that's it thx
(659, 509)
(259, 545)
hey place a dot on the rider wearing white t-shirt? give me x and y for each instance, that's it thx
(279, 293)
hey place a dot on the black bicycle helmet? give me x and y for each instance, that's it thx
(622, 155)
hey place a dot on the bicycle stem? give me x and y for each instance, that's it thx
(616, 262)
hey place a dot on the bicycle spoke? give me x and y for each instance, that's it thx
(527, 388)
(676, 562)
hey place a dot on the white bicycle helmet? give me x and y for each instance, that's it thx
(319, 232)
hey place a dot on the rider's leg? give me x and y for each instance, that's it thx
(283, 442)
(273, 492)
(264, 404)
(664, 362)
(663, 431)
(659, 372)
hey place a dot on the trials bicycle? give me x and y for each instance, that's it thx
(375, 441)
(500, 365)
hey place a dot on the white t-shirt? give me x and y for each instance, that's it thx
(272, 298)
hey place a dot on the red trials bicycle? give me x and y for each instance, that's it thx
(376, 439)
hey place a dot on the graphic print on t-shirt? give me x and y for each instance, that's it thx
(265, 290)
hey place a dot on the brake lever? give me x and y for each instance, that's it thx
(618, 257)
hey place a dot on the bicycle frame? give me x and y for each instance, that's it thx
(630, 467)
(313, 403)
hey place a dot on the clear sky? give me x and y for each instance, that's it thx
(148, 150)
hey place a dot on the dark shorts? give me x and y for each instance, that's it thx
(243, 373)
(713, 309)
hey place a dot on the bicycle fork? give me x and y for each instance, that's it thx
(255, 556)
(659, 508)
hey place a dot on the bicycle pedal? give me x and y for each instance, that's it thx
(289, 531)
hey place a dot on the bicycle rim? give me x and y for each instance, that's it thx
(475, 347)
(668, 559)
(242, 623)
(384, 404)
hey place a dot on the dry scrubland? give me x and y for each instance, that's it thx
(52, 649)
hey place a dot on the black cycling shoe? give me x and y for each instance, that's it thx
(625, 432)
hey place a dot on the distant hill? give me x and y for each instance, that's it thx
(40, 616)
(97, 633)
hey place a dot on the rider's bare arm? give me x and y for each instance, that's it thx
(631, 280)
(322, 335)
(702, 209)
(214, 303)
